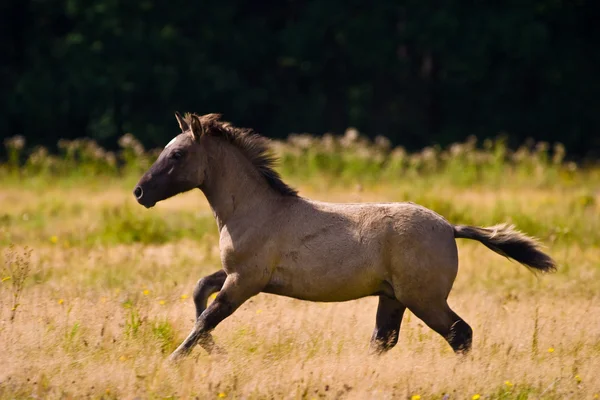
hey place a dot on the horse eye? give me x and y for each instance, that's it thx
(177, 155)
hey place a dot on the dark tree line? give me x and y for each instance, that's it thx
(419, 72)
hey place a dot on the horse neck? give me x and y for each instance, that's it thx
(233, 186)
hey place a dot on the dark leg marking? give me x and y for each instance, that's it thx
(387, 325)
(219, 309)
(460, 337)
(448, 324)
(205, 287)
(232, 295)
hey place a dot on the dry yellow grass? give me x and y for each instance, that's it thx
(97, 319)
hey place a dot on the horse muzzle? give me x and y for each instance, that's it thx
(142, 198)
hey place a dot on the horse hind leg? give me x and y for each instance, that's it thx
(448, 324)
(387, 324)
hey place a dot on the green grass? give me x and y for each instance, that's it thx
(346, 159)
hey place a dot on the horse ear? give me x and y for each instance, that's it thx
(181, 121)
(196, 128)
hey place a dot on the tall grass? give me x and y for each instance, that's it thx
(342, 159)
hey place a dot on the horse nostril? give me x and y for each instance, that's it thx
(138, 192)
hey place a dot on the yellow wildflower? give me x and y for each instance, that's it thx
(476, 397)
(222, 395)
(551, 350)
(162, 302)
(415, 397)
(54, 239)
(60, 301)
(146, 292)
(213, 296)
(122, 358)
(509, 384)
(184, 296)
(578, 378)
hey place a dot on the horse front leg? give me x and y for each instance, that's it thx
(233, 294)
(204, 289)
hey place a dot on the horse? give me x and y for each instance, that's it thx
(274, 241)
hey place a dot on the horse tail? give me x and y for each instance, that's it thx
(506, 240)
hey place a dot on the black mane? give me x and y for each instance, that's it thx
(254, 146)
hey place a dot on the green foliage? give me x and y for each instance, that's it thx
(133, 323)
(72, 335)
(353, 158)
(123, 225)
(164, 334)
(344, 159)
(416, 73)
(82, 158)
(159, 331)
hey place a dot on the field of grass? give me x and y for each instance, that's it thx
(103, 286)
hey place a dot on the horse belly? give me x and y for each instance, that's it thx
(326, 282)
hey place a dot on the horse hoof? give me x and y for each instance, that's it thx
(175, 357)
(218, 351)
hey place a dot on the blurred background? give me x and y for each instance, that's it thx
(417, 72)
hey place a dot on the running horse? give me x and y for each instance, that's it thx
(274, 241)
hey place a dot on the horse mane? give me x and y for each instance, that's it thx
(254, 146)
